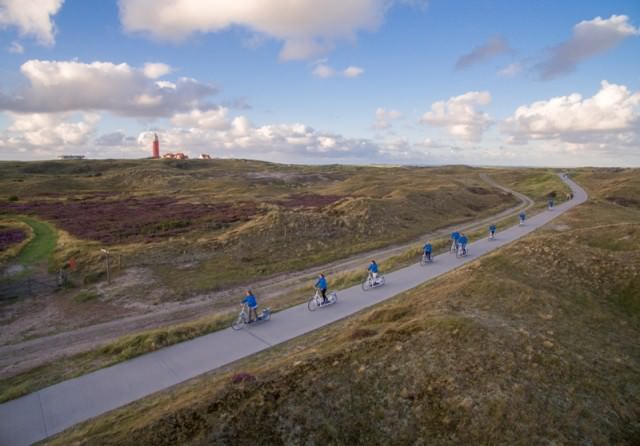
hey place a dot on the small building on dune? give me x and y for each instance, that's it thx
(175, 156)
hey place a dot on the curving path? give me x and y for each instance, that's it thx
(24, 355)
(51, 410)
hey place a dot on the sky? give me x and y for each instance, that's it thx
(496, 82)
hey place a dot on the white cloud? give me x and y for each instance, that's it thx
(57, 86)
(210, 119)
(308, 28)
(611, 118)
(459, 115)
(492, 48)
(352, 72)
(383, 117)
(15, 48)
(51, 129)
(511, 70)
(31, 17)
(429, 143)
(156, 70)
(323, 71)
(242, 138)
(115, 139)
(254, 42)
(590, 38)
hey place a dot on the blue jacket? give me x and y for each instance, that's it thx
(322, 283)
(455, 235)
(250, 300)
(373, 267)
(492, 228)
(522, 215)
(463, 240)
(427, 247)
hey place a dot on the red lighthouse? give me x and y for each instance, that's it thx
(156, 146)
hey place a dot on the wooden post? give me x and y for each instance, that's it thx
(108, 270)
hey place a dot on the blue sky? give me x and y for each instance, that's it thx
(360, 81)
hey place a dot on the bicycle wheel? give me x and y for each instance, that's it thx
(333, 297)
(366, 285)
(238, 323)
(381, 280)
(423, 260)
(313, 304)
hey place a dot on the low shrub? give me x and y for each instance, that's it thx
(85, 296)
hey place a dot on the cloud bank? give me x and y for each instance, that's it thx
(307, 28)
(62, 86)
(590, 38)
(611, 117)
(458, 115)
(494, 47)
(31, 18)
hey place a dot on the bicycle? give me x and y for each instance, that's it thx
(317, 301)
(462, 251)
(243, 317)
(369, 282)
(426, 259)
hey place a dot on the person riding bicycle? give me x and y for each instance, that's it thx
(492, 231)
(251, 303)
(550, 203)
(427, 249)
(373, 269)
(455, 236)
(321, 284)
(522, 216)
(462, 241)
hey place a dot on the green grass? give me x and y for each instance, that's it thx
(85, 296)
(537, 184)
(43, 244)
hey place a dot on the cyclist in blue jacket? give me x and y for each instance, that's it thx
(321, 284)
(492, 231)
(427, 249)
(251, 303)
(373, 269)
(455, 236)
(522, 216)
(462, 241)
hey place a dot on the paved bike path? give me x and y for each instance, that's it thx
(51, 410)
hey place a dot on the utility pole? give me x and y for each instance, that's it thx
(106, 257)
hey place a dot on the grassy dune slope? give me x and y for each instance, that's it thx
(266, 243)
(203, 225)
(534, 344)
